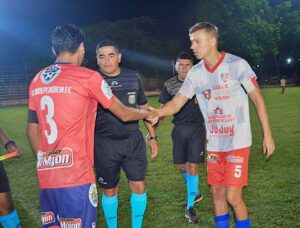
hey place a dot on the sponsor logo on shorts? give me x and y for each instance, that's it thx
(55, 159)
(50, 73)
(93, 196)
(235, 159)
(212, 158)
(47, 217)
(106, 89)
(70, 222)
(102, 181)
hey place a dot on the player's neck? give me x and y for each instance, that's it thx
(213, 58)
(116, 73)
(181, 77)
(68, 58)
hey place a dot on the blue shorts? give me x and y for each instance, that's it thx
(69, 207)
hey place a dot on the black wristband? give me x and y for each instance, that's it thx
(153, 138)
(9, 142)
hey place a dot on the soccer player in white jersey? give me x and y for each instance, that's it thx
(222, 83)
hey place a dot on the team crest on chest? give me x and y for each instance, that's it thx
(224, 77)
(50, 73)
(207, 93)
(114, 84)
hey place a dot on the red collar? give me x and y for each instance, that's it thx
(211, 70)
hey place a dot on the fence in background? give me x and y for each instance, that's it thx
(14, 83)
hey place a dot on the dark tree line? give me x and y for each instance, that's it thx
(263, 33)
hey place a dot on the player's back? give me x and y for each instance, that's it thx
(66, 112)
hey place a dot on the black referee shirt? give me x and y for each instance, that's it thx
(190, 112)
(128, 88)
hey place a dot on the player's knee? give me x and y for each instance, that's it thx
(6, 209)
(192, 169)
(217, 192)
(137, 187)
(110, 192)
(182, 168)
(234, 199)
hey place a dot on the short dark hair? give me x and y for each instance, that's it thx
(184, 55)
(105, 43)
(66, 38)
(207, 26)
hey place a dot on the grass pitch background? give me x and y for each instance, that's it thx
(272, 197)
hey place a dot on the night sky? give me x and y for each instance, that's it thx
(25, 26)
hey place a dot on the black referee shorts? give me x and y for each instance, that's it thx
(188, 144)
(111, 155)
(4, 186)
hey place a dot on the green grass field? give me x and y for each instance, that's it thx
(272, 197)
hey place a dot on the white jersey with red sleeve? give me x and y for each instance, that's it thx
(223, 100)
(65, 98)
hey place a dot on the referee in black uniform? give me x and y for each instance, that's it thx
(188, 135)
(119, 144)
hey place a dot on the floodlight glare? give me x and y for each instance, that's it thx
(289, 60)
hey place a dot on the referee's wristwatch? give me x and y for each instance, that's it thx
(153, 138)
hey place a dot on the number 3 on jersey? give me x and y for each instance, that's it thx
(47, 101)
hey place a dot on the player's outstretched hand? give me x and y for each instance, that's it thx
(268, 146)
(13, 147)
(152, 116)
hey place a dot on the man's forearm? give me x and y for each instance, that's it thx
(261, 112)
(263, 118)
(33, 135)
(131, 114)
(168, 109)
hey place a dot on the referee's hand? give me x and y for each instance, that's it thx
(152, 116)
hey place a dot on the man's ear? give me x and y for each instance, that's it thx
(213, 41)
(119, 57)
(81, 48)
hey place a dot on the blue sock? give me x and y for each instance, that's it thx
(192, 189)
(222, 221)
(185, 176)
(242, 223)
(138, 206)
(11, 220)
(110, 208)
